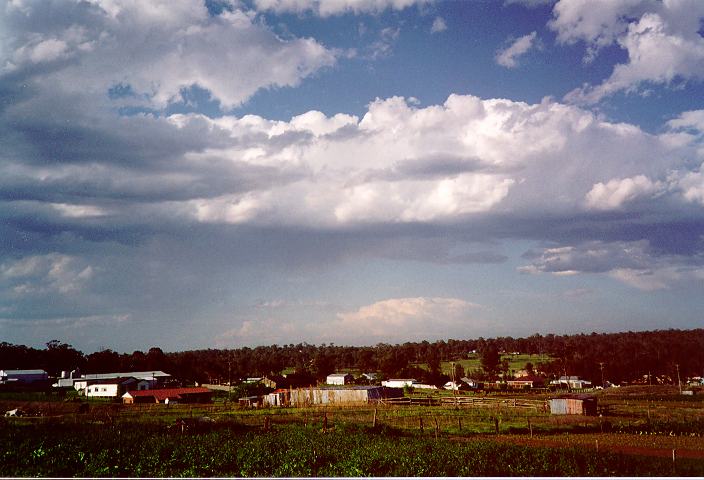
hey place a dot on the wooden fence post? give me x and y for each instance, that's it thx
(374, 421)
(530, 428)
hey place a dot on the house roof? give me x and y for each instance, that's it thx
(339, 374)
(140, 375)
(112, 381)
(528, 378)
(24, 372)
(164, 393)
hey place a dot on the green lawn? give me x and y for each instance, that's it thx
(516, 362)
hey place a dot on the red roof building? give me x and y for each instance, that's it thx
(169, 395)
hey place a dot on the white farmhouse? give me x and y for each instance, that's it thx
(112, 388)
(398, 382)
(339, 379)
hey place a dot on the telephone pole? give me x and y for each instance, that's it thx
(601, 365)
(679, 383)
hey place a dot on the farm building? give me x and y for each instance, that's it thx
(359, 395)
(573, 405)
(23, 376)
(527, 381)
(169, 395)
(152, 378)
(339, 379)
(571, 382)
(110, 388)
(423, 386)
(472, 383)
(398, 382)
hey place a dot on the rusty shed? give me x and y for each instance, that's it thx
(573, 405)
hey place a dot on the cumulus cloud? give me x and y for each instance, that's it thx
(438, 25)
(508, 57)
(662, 40)
(419, 317)
(326, 8)
(617, 192)
(634, 263)
(42, 274)
(398, 164)
(152, 53)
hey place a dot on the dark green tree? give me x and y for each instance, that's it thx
(490, 359)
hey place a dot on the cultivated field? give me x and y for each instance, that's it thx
(641, 431)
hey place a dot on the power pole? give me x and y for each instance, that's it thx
(454, 384)
(601, 365)
(229, 376)
(679, 383)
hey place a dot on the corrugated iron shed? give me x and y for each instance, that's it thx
(573, 405)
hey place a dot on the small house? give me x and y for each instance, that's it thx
(339, 379)
(526, 381)
(571, 382)
(112, 388)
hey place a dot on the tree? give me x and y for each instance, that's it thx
(459, 371)
(490, 359)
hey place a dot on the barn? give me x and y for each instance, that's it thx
(573, 405)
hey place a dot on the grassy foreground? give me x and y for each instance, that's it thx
(226, 448)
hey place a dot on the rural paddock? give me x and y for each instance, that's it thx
(635, 425)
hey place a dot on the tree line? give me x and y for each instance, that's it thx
(617, 357)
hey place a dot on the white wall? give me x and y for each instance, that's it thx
(105, 390)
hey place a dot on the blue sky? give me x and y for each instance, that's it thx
(193, 175)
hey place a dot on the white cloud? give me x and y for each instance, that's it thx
(417, 317)
(326, 8)
(438, 25)
(50, 273)
(617, 192)
(508, 57)
(633, 263)
(399, 163)
(662, 40)
(693, 119)
(155, 51)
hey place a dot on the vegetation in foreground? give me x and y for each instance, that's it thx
(59, 449)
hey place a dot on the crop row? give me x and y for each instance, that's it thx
(228, 449)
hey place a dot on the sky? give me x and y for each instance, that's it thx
(225, 173)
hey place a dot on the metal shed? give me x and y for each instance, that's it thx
(573, 405)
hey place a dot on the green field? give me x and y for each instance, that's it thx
(139, 449)
(516, 362)
(499, 434)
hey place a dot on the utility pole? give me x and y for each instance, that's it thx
(601, 365)
(679, 383)
(229, 376)
(454, 384)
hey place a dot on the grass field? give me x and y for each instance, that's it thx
(494, 435)
(516, 362)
